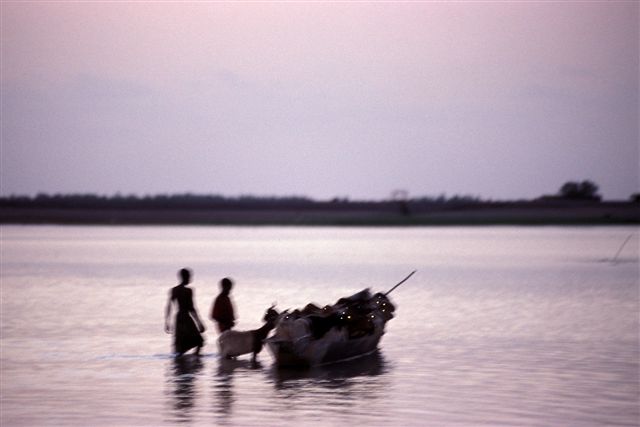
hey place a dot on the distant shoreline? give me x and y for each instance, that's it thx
(362, 214)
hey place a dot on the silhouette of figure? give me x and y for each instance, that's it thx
(187, 327)
(222, 310)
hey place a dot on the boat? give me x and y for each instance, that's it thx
(348, 329)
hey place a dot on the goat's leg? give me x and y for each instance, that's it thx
(256, 346)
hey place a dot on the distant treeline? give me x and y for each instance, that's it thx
(251, 210)
(194, 201)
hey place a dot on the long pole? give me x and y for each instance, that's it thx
(615, 258)
(401, 282)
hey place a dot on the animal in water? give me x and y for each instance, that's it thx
(235, 343)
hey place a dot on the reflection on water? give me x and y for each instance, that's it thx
(223, 390)
(332, 375)
(182, 380)
(223, 384)
(226, 367)
(271, 389)
(353, 392)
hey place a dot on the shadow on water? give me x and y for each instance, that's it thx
(181, 379)
(333, 375)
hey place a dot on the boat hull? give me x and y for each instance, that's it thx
(330, 349)
(350, 328)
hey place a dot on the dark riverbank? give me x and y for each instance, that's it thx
(557, 212)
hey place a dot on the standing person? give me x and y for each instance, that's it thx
(222, 310)
(187, 327)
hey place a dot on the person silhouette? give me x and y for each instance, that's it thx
(222, 310)
(187, 326)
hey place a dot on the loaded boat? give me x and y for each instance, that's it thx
(350, 328)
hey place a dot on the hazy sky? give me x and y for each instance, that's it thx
(502, 100)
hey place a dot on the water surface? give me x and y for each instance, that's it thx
(527, 326)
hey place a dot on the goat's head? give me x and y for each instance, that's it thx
(271, 314)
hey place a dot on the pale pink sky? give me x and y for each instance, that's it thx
(497, 99)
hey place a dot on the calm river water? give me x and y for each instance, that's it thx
(513, 326)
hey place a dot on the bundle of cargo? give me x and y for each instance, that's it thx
(352, 327)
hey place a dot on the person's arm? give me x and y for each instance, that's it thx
(194, 314)
(167, 315)
(199, 323)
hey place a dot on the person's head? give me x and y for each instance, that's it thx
(226, 284)
(185, 275)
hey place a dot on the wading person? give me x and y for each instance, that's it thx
(187, 326)
(222, 310)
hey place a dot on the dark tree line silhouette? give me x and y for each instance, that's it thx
(174, 201)
(573, 190)
(585, 190)
(574, 203)
(194, 201)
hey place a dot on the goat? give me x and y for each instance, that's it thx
(234, 343)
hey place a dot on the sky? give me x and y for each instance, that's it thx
(500, 100)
